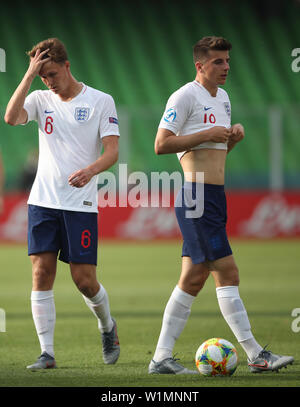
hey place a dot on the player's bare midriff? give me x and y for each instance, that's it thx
(209, 161)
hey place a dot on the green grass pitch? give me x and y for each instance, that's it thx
(139, 279)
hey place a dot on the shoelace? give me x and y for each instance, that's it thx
(174, 357)
(264, 352)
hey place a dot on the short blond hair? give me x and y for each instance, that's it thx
(57, 50)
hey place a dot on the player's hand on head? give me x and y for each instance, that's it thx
(220, 134)
(37, 62)
(80, 178)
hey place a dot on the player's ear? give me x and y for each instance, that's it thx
(198, 66)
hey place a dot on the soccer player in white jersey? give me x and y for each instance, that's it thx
(75, 121)
(197, 126)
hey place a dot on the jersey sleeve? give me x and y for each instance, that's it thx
(30, 106)
(109, 124)
(177, 111)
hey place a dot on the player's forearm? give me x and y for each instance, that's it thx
(177, 144)
(109, 157)
(107, 160)
(15, 105)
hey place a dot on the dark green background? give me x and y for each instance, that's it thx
(141, 52)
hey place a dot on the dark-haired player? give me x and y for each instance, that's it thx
(197, 126)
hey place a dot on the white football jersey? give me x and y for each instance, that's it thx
(70, 136)
(191, 109)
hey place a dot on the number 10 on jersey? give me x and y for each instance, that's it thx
(211, 118)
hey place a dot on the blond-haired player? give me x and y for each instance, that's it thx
(75, 121)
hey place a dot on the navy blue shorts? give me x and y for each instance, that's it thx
(73, 234)
(204, 237)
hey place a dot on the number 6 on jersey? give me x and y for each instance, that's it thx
(49, 125)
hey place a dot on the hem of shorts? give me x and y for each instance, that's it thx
(60, 258)
(76, 262)
(62, 208)
(43, 251)
(198, 260)
(194, 261)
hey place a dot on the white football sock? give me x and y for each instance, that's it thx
(44, 317)
(235, 314)
(99, 305)
(175, 317)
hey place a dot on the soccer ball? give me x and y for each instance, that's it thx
(216, 357)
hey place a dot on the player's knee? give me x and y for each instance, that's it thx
(234, 277)
(230, 278)
(199, 281)
(85, 286)
(194, 283)
(42, 277)
(235, 281)
(84, 276)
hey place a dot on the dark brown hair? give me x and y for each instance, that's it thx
(203, 46)
(57, 51)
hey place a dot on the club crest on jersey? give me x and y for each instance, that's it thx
(170, 115)
(227, 108)
(82, 114)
